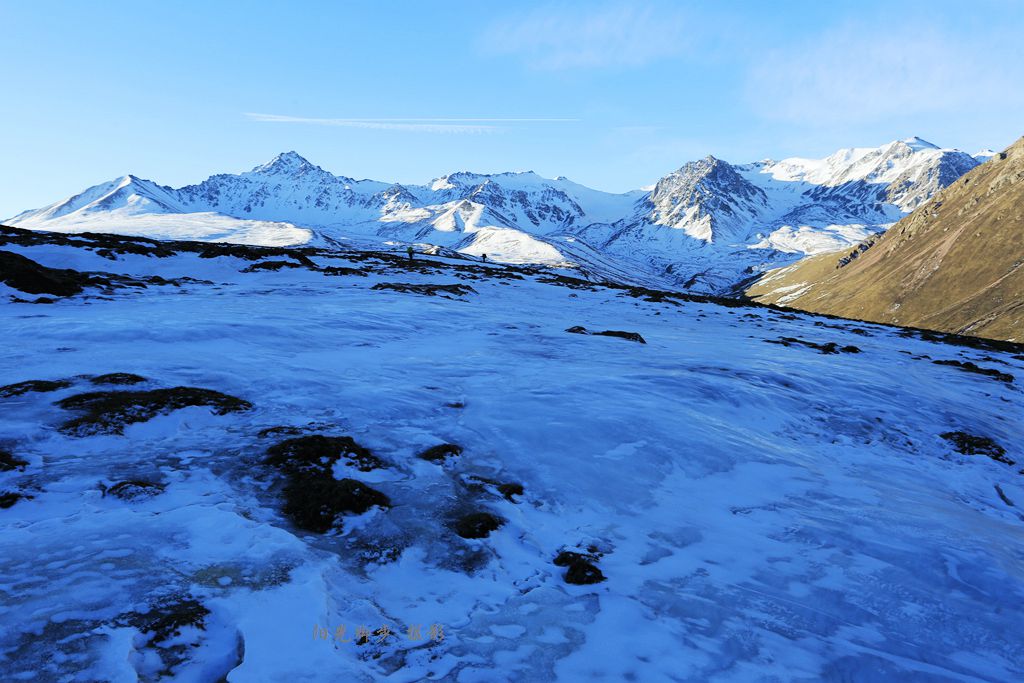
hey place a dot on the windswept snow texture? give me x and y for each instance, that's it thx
(705, 227)
(762, 511)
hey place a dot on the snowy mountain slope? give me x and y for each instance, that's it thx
(954, 264)
(123, 196)
(760, 509)
(696, 226)
(706, 199)
(711, 225)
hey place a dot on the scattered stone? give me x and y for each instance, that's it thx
(316, 455)
(509, 490)
(40, 385)
(9, 462)
(118, 378)
(109, 412)
(312, 503)
(441, 451)
(968, 366)
(426, 290)
(477, 525)
(134, 489)
(970, 444)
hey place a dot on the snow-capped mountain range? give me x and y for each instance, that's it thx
(705, 226)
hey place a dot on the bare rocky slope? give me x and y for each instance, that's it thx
(956, 264)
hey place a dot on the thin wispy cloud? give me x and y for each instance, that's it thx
(854, 75)
(587, 36)
(420, 125)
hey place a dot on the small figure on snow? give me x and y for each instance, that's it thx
(484, 257)
(409, 251)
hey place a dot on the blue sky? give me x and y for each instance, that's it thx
(610, 94)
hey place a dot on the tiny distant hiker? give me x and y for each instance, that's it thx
(409, 251)
(484, 257)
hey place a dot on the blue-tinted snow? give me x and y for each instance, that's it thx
(763, 512)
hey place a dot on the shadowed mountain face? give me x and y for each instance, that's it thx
(956, 264)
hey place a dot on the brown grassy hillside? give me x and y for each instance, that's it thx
(956, 264)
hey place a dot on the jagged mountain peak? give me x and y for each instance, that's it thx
(916, 144)
(707, 199)
(470, 178)
(708, 206)
(287, 163)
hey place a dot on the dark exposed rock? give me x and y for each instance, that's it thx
(8, 461)
(271, 265)
(569, 557)
(26, 275)
(970, 444)
(168, 616)
(857, 251)
(342, 271)
(118, 378)
(510, 489)
(1003, 496)
(654, 295)
(313, 502)
(571, 282)
(582, 572)
(426, 290)
(477, 525)
(40, 385)
(475, 482)
(9, 498)
(631, 336)
(108, 412)
(826, 348)
(134, 489)
(281, 430)
(316, 454)
(968, 366)
(441, 451)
